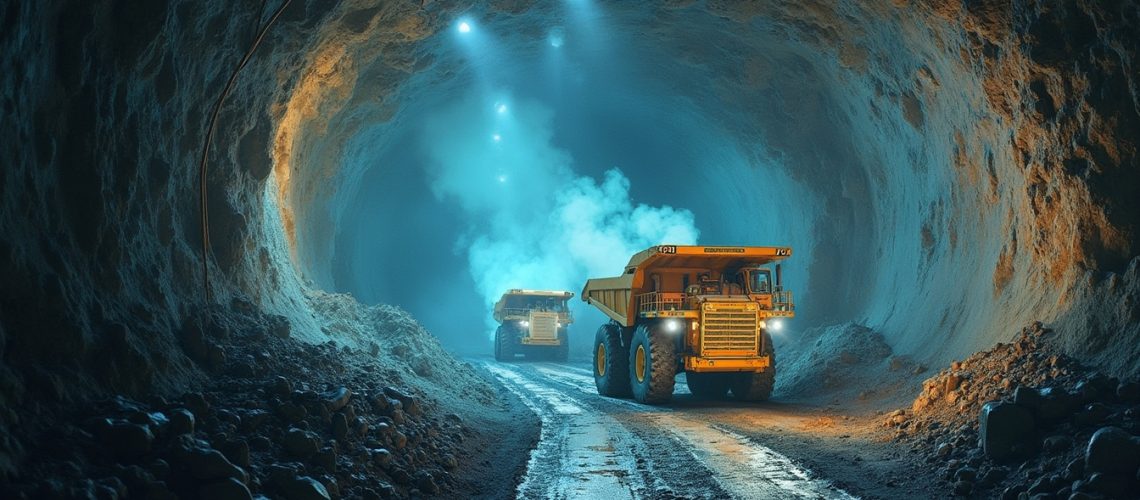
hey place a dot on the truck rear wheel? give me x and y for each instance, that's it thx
(611, 362)
(757, 386)
(503, 348)
(652, 366)
(709, 385)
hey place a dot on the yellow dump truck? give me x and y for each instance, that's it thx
(533, 323)
(706, 311)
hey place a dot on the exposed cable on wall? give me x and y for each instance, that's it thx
(202, 191)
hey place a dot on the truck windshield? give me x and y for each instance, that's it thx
(760, 281)
(536, 302)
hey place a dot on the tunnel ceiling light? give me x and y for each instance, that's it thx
(464, 27)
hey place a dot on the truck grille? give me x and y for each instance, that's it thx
(543, 325)
(729, 329)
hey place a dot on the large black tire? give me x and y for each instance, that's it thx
(712, 386)
(504, 346)
(562, 351)
(611, 362)
(757, 386)
(652, 365)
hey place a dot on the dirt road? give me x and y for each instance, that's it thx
(597, 447)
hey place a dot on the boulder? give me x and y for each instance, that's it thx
(966, 474)
(953, 381)
(229, 489)
(407, 401)
(337, 399)
(1006, 430)
(381, 457)
(128, 440)
(301, 443)
(1109, 485)
(1128, 392)
(206, 464)
(280, 386)
(197, 403)
(1027, 397)
(1112, 450)
(304, 488)
(181, 422)
(237, 451)
(963, 488)
(292, 412)
(399, 440)
(426, 483)
(1095, 388)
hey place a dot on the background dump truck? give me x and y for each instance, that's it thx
(706, 311)
(534, 323)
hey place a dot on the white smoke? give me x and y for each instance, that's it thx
(533, 221)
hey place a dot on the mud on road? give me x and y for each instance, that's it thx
(597, 447)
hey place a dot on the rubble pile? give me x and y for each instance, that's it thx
(1023, 421)
(279, 417)
(826, 359)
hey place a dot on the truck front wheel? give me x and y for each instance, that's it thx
(503, 348)
(757, 386)
(652, 366)
(611, 362)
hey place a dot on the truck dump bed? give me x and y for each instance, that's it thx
(617, 296)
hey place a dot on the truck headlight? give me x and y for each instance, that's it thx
(672, 325)
(776, 325)
(525, 324)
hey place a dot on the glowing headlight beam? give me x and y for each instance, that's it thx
(776, 325)
(464, 27)
(672, 325)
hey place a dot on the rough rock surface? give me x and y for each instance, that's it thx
(1023, 419)
(267, 421)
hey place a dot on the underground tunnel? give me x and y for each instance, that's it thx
(254, 248)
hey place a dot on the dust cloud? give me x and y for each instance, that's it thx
(531, 220)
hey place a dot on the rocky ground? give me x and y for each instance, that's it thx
(287, 419)
(1021, 420)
